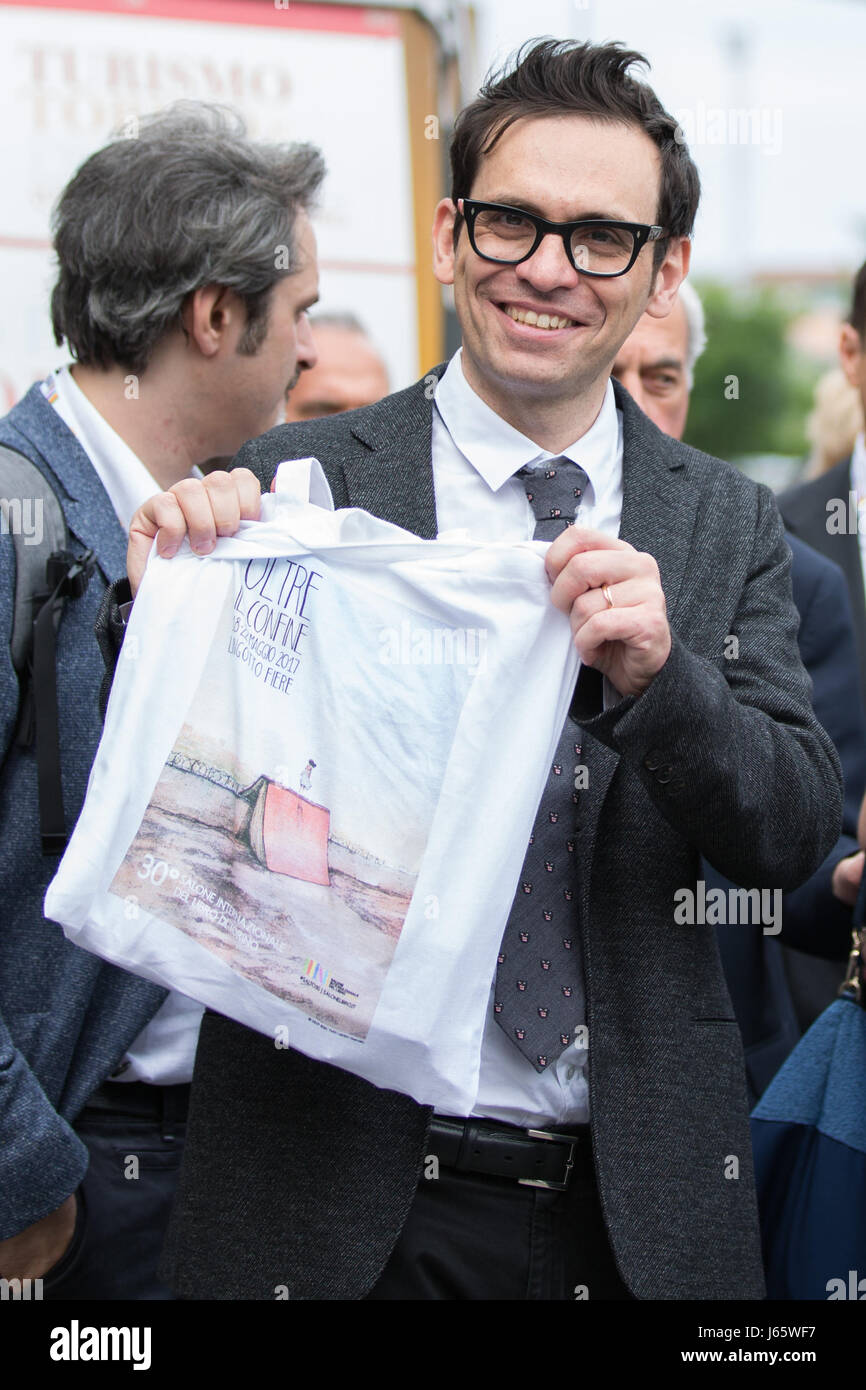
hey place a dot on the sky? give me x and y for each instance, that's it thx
(793, 197)
(788, 200)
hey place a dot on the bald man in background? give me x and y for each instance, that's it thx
(776, 993)
(349, 372)
(656, 361)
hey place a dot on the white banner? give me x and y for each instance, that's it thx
(69, 76)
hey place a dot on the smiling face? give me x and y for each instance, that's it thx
(562, 168)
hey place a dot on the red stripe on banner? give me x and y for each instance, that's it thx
(25, 243)
(338, 19)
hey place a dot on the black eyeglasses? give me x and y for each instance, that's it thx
(594, 246)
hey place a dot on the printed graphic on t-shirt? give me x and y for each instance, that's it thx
(278, 836)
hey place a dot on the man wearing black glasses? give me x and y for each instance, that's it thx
(607, 1155)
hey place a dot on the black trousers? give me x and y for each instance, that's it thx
(124, 1203)
(470, 1236)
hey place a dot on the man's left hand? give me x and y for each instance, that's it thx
(630, 641)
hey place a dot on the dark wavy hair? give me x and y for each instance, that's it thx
(188, 200)
(547, 77)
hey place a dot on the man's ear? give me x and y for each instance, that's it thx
(669, 276)
(211, 315)
(443, 241)
(851, 354)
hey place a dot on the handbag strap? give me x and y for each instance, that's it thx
(854, 984)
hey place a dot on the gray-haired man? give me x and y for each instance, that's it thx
(656, 361)
(186, 266)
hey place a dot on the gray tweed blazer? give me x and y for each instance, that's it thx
(300, 1175)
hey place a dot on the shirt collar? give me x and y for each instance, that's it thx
(123, 475)
(496, 449)
(858, 465)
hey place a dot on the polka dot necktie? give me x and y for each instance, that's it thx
(539, 998)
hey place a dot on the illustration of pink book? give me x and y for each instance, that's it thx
(288, 833)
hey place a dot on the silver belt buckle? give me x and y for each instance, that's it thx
(568, 1139)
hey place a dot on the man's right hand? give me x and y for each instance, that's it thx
(38, 1248)
(201, 508)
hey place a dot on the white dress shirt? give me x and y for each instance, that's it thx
(475, 455)
(164, 1051)
(121, 472)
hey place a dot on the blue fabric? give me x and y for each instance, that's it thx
(823, 1082)
(809, 1147)
(66, 1017)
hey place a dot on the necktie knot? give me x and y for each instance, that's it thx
(554, 490)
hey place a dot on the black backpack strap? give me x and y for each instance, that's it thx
(47, 574)
(70, 575)
(33, 517)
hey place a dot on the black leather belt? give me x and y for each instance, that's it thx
(532, 1157)
(141, 1099)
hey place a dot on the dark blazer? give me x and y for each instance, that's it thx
(300, 1175)
(804, 509)
(812, 919)
(66, 1017)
